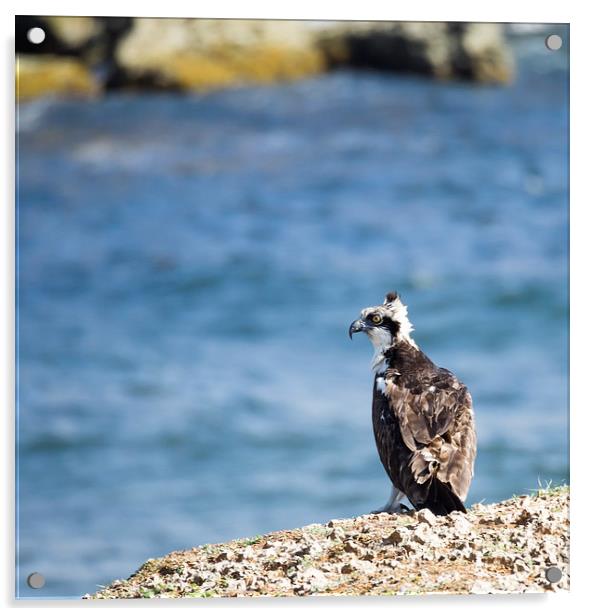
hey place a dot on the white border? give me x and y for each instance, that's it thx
(577, 13)
(430, 10)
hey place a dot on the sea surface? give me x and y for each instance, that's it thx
(188, 267)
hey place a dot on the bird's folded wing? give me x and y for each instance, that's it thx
(436, 424)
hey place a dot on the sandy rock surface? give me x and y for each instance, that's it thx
(501, 548)
(197, 54)
(51, 75)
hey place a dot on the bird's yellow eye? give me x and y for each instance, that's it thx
(376, 319)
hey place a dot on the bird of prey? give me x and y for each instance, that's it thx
(422, 415)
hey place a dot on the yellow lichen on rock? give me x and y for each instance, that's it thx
(272, 62)
(43, 75)
(206, 54)
(220, 68)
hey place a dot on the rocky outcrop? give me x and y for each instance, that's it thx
(202, 54)
(42, 75)
(469, 51)
(197, 54)
(509, 547)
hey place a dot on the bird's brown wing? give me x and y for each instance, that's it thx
(427, 432)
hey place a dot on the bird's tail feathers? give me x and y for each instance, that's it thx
(441, 500)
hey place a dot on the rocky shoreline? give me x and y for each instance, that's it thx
(506, 547)
(87, 56)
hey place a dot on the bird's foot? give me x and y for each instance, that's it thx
(398, 508)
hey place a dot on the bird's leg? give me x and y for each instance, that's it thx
(393, 505)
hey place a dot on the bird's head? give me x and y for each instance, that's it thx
(384, 324)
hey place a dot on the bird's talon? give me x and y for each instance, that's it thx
(399, 509)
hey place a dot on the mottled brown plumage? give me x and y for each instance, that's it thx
(423, 420)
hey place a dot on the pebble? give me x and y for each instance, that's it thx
(426, 515)
(462, 525)
(315, 578)
(351, 546)
(337, 534)
(397, 536)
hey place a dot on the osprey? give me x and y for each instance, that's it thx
(423, 420)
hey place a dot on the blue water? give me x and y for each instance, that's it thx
(188, 268)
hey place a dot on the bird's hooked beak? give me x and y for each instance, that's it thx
(357, 326)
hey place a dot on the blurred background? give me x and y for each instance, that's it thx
(204, 207)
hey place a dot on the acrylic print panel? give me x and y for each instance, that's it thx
(203, 210)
